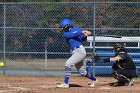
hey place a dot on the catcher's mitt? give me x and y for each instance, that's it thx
(96, 57)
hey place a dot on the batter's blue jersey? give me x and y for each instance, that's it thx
(74, 37)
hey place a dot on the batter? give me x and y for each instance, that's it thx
(74, 37)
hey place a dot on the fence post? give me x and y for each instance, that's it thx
(46, 54)
(4, 37)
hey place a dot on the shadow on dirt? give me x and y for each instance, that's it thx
(74, 85)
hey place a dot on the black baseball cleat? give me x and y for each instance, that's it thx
(123, 83)
(129, 83)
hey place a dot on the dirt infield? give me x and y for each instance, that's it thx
(17, 84)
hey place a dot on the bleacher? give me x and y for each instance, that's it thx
(104, 69)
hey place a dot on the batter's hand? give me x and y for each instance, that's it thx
(86, 33)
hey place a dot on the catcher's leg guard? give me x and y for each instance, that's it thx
(122, 80)
(120, 77)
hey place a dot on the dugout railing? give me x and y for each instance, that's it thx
(102, 68)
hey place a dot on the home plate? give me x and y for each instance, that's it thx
(105, 88)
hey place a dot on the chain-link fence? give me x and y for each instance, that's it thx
(32, 44)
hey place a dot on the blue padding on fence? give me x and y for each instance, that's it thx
(137, 63)
(136, 59)
(103, 70)
(104, 64)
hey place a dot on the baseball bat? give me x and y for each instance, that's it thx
(107, 35)
(113, 36)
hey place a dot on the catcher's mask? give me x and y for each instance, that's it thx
(118, 48)
(66, 24)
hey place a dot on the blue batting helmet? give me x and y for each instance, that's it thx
(66, 22)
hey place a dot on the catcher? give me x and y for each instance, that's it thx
(124, 69)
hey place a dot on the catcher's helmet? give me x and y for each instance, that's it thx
(119, 48)
(66, 22)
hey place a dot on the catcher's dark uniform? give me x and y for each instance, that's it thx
(124, 67)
